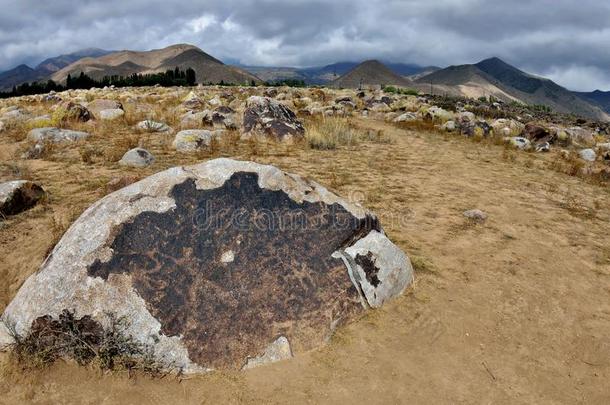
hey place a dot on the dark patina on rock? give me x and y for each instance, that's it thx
(19, 195)
(221, 265)
(280, 280)
(269, 117)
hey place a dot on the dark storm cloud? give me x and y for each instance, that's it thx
(567, 41)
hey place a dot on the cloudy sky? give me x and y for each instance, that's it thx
(566, 40)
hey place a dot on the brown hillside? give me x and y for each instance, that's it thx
(370, 73)
(208, 68)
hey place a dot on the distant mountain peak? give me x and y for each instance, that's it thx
(370, 72)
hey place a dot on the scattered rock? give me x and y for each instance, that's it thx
(405, 117)
(195, 119)
(581, 136)
(507, 127)
(543, 147)
(110, 115)
(153, 126)
(449, 126)
(268, 117)
(2, 126)
(475, 215)
(437, 114)
(276, 351)
(97, 106)
(536, 133)
(190, 140)
(69, 111)
(137, 157)
(18, 196)
(519, 142)
(51, 134)
(13, 113)
(224, 117)
(587, 154)
(215, 102)
(152, 254)
(193, 101)
(34, 152)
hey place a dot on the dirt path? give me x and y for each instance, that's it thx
(514, 311)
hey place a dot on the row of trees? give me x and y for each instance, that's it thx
(176, 77)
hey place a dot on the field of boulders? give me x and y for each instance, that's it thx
(74, 124)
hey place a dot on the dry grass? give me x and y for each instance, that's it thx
(327, 133)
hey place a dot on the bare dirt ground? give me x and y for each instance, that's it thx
(512, 311)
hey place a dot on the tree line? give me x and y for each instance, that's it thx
(176, 77)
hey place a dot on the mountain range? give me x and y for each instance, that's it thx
(44, 69)
(371, 72)
(122, 63)
(490, 77)
(494, 77)
(320, 75)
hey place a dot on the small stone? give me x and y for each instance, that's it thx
(587, 154)
(543, 147)
(448, 126)
(475, 215)
(519, 142)
(52, 134)
(153, 126)
(137, 157)
(18, 196)
(276, 351)
(193, 139)
(227, 257)
(110, 115)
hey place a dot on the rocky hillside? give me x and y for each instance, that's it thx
(370, 73)
(505, 82)
(208, 68)
(597, 97)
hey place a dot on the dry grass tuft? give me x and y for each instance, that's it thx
(327, 133)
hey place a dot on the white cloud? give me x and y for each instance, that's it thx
(579, 78)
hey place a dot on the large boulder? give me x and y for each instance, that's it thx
(225, 264)
(55, 135)
(2, 126)
(18, 196)
(270, 118)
